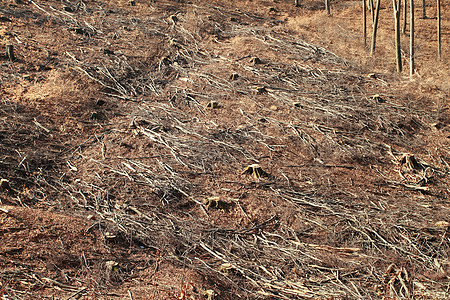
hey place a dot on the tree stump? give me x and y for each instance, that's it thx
(10, 53)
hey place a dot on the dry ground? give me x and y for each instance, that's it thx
(127, 132)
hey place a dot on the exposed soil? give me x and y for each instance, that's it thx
(221, 150)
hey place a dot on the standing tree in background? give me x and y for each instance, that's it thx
(424, 10)
(375, 13)
(297, 3)
(398, 57)
(411, 38)
(438, 15)
(327, 6)
(371, 8)
(364, 22)
(405, 5)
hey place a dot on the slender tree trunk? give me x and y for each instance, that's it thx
(405, 5)
(365, 22)
(424, 10)
(438, 13)
(371, 8)
(411, 38)
(297, 3)
(327, 6)
(375, 14)
(398, 57)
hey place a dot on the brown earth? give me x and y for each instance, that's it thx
(220, 150)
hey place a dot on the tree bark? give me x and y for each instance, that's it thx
(375, 14)
(327, 6)
(398, 57)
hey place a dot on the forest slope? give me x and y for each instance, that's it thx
(217, 150)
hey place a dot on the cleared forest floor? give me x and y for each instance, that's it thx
(220, 150)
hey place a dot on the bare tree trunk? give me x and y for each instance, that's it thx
(297, 3)
(398, 57)
(411, 38)
(371, 8)
(365, 22)
(424, 10)
(375, 14)
(405, 10)
(327, 6)
(438, 13)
